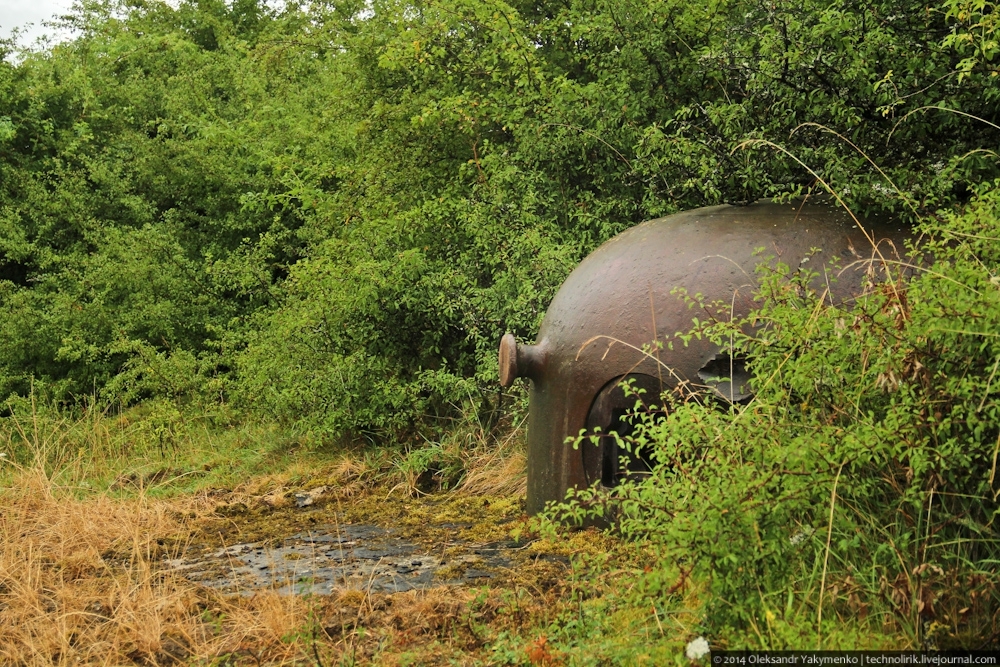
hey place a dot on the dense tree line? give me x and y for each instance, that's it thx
(332, 211)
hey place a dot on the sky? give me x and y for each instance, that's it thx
(19, 13)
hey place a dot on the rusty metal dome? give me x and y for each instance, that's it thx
(628, 293)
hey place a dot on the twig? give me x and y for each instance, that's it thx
(826, 560)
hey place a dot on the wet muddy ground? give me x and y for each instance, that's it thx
(374, 545)
(337, 557)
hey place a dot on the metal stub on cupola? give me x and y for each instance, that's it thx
(508, 360)
(519, 361)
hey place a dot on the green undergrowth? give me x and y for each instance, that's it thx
(163, 448)
(852, 502)
(604, 618)
(154, 447)
(630, 603)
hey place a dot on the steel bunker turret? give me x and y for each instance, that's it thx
(627, 294)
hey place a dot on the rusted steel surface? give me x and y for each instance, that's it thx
(620, 299)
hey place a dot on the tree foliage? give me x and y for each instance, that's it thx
(331, 211)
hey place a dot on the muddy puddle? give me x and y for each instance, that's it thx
(336, 557)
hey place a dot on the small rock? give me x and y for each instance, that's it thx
(477, 574)
(234, 550)
(307, 498)
(274, 500)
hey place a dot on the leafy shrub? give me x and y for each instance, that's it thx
(862, 475)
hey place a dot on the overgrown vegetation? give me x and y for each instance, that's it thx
(216, 217)
(861, 479)
(329, 213)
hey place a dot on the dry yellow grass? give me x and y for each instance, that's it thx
(497, 465)
(83, 579)
(79, 584)
(495, 473)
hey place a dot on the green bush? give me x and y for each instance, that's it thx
(861, 477)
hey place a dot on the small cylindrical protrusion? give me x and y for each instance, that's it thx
(508, 360)
(518, 361)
